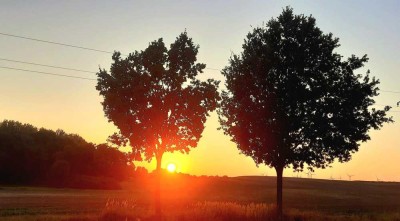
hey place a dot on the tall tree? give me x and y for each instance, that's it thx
(32, 156)
(155, 100)
(292, 101)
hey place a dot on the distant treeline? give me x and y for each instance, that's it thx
(32, 156)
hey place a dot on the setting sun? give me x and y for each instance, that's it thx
(171, 168)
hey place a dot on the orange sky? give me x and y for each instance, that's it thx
(219, 28)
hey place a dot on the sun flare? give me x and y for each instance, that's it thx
(171, 167)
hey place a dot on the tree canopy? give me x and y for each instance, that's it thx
(292, 100)
(155, 100)
(33, 156)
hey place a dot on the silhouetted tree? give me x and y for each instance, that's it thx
(30, 156)
(141, 172)
(292, 101)
(59, 172)
(155, 100)
(112, 163)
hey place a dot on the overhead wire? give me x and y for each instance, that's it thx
(79, 47)
(47, 73)
(85, 78)
(56, 43)
(92, 79)
(397, 92)
(46, 65)
(70, 45)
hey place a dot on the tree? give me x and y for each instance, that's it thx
(111, 162)
(292, 101)
(32, 156)
(155, 100)
(59, 172)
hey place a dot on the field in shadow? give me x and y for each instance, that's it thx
(207, 198)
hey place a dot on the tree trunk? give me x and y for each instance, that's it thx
(279, 181)
(158, 188)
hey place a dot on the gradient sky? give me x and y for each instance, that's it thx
(219, 27)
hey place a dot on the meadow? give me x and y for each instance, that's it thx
(207, 198)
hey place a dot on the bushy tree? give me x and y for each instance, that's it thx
(155, 100)
(32, 156)
(292, 101)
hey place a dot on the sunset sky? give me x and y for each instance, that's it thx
(219, 27)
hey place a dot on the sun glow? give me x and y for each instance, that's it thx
(171, 167)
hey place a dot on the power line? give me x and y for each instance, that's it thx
(214, 69)
(76, 77)
(397, 92)
(381, 105)
(96, 50)
(102, 51)
(45, 65)
(72, 46)
(65, 68)
(79, 70)
(57, 43)
(46, 73)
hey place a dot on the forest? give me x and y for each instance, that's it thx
(32, 156)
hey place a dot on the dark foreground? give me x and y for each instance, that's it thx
(218, 198)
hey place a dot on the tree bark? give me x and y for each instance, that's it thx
(279, 185)
(158, 188)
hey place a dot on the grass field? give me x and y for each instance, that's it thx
(215, 198)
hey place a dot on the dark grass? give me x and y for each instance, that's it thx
(306, 199)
